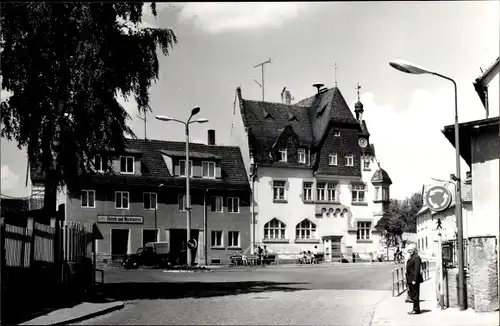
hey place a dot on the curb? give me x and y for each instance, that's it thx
(117, 306)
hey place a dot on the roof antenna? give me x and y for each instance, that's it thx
(335, 74)
(262, 84)
(144, 118)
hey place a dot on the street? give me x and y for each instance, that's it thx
(322, 295)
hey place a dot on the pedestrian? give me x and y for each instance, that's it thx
(414, 278)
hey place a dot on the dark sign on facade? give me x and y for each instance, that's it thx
(120, 219)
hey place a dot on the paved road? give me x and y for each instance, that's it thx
(321, 295)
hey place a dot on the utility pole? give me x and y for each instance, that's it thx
(262, 82)
(145, 118)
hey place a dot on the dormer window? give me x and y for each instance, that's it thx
(336, 133)
(127, 164)
(282, 157)
(332, 159)
(349, 160)
(302, 155)
(99, 163)
(182, 168)
(208, 170)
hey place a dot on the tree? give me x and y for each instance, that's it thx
(403, 215)
(65, 64)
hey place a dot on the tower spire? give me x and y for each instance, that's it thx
(335, 69)
(357, 89)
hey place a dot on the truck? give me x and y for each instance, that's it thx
(153, 254)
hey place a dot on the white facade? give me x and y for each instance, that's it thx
(294, 211)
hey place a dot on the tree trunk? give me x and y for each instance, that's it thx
(49, 198)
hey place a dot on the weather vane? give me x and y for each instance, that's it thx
(335, 67)
(358, 88)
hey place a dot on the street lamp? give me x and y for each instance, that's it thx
(411, 68)
(187, 169)
(156, 209)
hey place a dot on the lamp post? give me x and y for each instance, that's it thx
(187, 170)
(411, 68)
(156, 209)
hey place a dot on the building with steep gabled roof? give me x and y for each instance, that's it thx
(310, 166)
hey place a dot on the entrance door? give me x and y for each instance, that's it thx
(336, 250)
(178, 245)
(119, 243)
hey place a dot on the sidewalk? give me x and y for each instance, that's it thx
(394, 312)
(75, 314)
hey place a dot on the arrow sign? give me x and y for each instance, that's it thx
(438, 198)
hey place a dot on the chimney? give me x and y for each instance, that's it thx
(318, 87)
(288, 97)
(211, 137)
(283, 95)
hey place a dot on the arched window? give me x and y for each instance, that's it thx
(274, 229)
(305, 230)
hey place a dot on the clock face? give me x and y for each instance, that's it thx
(363, 142)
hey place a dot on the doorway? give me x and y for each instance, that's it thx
(336, 250)
(119, 243)
(178, 245)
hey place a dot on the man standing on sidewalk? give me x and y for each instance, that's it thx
(414, 278)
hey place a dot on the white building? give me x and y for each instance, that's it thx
(314, 175)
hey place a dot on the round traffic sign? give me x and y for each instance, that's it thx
(192, 244)
(438, 198)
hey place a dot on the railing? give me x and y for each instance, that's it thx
(399, 284)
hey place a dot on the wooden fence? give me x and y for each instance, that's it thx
(35, 263)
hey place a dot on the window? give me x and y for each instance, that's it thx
(302, 155)
(216, 239)
(150, 200)
(305, 230)
(364, 230)
(233, 205)
(321, 191)
(385, 193)
(330, 192)
(426, 244)
(279, 190)
(307, 191)
(122, 200)
(208, 169)
(358, 193)
(127, 164)
(99, 163)
(349, 160)
(182, 168)
(88, 198)
(282, 155)
(366, 163)
(216, 204)
(336, 133)
(332, 159)
(233, 239)
(274, 229)
(182, 202)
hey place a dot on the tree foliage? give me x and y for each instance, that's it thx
(403, 214)
(65, 64)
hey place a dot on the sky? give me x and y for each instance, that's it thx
(220, 43)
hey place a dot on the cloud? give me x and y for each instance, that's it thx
(409, 143)
(9, 179)
(130, 105)
(220, 17)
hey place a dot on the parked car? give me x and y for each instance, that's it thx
(154, 254)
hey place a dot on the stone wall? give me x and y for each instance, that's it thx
(484, 273)
(451, 288)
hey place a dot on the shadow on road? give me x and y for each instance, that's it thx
(174, 290)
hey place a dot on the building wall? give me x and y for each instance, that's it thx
(294, 210)
(485, 176)
(168, 217)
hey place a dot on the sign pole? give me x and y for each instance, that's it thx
(441, 271)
